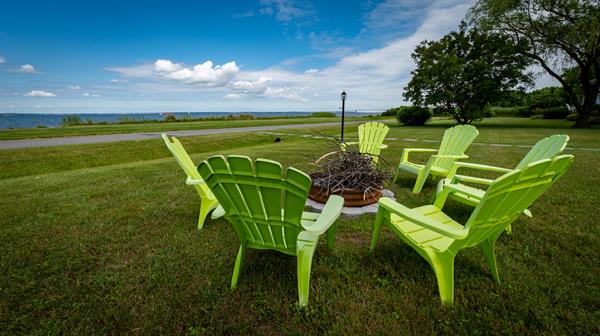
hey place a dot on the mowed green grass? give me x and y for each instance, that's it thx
(25, 133)
(102, 239)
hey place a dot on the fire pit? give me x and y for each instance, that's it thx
(350, 174)
(352, 197)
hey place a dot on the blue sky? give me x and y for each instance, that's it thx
(263, 55)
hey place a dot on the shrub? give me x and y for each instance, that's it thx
(546, 97)
(413, 115)
(391, 112)
(523, 111)
(488, 112)
(323, 115)
(558, 112)
(514, 111)
(170, 118)
(71, 120)
(573, 116)
(245, 116)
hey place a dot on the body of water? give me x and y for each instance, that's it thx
(31, 120)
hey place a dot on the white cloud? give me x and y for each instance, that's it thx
(258, 86)
(288, 93)
(2, 60)
(394, 18)
(27, 68)
(118, 80)
(204, 74)
(74, 87)
(311, 71)
(286, 10)
(262, 88)
(94, 95)
(39, 93)
(143, 70)
(241, 15)
(234, 95)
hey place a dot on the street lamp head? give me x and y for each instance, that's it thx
(344, 95)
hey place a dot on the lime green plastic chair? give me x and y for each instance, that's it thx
(208, 202)
(454, 144)
(546, 148)
(266, 210)
(438, 238)
(370, 139)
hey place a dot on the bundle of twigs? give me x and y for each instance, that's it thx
(341, 170)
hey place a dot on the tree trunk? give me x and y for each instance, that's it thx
(583, 119)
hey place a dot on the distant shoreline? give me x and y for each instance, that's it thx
(42, 120)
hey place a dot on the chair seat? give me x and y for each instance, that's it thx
(415, 168)
(424, 237)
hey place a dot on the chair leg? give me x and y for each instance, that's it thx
(488, 249)
(377, 228)
(421, 178)
(205, 208)
(331, 236)
(443, 266)
(305, 256)
(238, 265)
(396, 175)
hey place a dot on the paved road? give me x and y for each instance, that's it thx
(89, 139)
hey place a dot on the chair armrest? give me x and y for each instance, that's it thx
(445, 156)
(407, 151)
(456, 165)
(473, 179)
(445, 188)
(329, 214)
(482, 167)
(460, 188)
(191, 181)
(415, 217)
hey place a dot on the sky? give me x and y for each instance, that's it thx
(233, 56)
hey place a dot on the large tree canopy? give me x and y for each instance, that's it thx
(554, 33)
(464, 71)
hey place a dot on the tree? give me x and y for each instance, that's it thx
(464, 71)
(555, 34)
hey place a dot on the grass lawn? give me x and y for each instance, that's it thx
(25, 133)
(102, 239)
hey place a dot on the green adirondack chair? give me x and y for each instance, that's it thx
(438, 238)
(208, 201)
(370, 139)
(546, 148)
(266, 210)
(454, 144)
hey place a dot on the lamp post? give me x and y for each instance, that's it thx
(343, 108)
